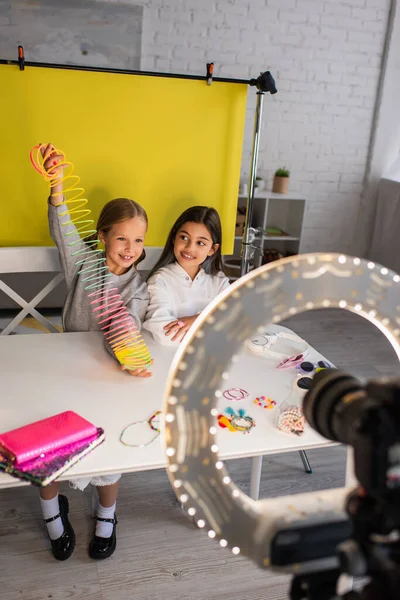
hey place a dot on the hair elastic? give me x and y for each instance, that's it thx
(235, 394)
(107, 305)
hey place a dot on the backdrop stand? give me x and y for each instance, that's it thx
(264, 83)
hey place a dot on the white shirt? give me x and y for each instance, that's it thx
(173, 294)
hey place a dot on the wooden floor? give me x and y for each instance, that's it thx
(160, 555)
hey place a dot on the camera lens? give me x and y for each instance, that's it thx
(334, 404)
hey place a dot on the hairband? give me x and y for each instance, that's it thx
(235, 394)
(236, 421)
(292, 361)
(152, 427)
(291, 420)
(264, 402)
(262, 344)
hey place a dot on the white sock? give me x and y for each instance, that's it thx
(105, 529)
(51, 508)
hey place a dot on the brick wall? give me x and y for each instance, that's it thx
(326, 58)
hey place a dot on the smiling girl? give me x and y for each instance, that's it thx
(121, 227)
(188, 275)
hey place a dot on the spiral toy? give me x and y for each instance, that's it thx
(107, 305)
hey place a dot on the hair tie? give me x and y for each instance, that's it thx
(235, 394)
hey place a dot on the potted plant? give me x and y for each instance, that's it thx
(259, 185)
(281, 181)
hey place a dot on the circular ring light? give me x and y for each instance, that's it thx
(266, 295)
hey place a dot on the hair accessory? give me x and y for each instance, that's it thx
(236, 421)
(235, 394)
(291, 420)
(264, 402)
(107, 305)
(263, 344)
(152, 427)
(290, 362)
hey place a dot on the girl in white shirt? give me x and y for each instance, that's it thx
(187, 276)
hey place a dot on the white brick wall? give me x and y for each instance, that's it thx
(325, 56)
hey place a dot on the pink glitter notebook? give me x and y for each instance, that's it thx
(42, 471)
(41, 451)
(47, 435)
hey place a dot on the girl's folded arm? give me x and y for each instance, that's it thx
(160, 312)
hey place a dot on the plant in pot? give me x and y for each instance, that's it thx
(281, 181)
(258, 185)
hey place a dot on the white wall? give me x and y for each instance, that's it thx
(326, 58)
(385, 143)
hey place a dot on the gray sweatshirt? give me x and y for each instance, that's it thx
(77, 312)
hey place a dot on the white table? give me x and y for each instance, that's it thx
(42, 375)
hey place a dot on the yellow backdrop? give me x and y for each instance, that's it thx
(166, 143)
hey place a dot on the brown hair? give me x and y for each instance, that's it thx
(116, 211)
(196, 214)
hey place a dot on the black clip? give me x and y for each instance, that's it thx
(21, 58)
(210, 69)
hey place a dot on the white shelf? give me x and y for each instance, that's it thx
(283, 211)
(276, 238)
(281, 238)
(274, 196)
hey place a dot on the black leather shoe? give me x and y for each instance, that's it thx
(63, 546)
(100, 547)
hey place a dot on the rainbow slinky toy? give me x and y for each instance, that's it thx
(107, 305)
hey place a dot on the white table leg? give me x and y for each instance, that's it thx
(350, 480)
(256, 465)
(346, 583)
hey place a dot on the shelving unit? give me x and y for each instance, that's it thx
(285, 211)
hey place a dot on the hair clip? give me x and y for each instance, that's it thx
(264, 402)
